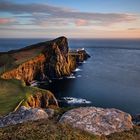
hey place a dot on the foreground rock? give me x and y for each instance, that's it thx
(23, 115)
(98, 120)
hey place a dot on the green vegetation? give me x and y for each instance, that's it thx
(44, 130)
(133, 134)
(12, 92)
(6, 62)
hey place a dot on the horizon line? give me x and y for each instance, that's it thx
(64, 36)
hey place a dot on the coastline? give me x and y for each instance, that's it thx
(55, 62)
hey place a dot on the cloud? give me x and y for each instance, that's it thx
(4, 21)
(81, 22)
(133, 29)
(48, 15)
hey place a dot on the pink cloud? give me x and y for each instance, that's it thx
(6, 20)
(81, 22)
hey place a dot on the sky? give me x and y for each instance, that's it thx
(70, 18)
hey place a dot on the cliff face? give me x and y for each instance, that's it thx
(53, 61)
(57, 57)
(41, 100)
(28, 70)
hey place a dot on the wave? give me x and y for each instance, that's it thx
(77, 69)
(82, 62)
(73, 100)
(71, 76)
(79, 76)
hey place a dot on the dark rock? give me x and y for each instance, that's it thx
(136, 119)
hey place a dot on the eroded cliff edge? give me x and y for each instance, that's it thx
(45, 60)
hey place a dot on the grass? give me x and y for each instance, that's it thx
(12, 92)
(44, 130)
(6, 62)
(133, 134)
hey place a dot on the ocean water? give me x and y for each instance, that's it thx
(109, 79)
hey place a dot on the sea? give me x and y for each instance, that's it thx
(110, 78)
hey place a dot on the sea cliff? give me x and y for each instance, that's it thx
(46, 60)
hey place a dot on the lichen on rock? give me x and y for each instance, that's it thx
(23, 114)
(98, 120)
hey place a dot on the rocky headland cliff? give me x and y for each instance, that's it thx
(42, 61)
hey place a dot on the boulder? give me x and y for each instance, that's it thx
(23, 114)
(98, 120)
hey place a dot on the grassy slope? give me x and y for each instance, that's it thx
(12, 92)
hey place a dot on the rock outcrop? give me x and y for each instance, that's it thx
(27, 71)
(41, 100)
(98, 120)
(23, 115)
(53, 60)
(80, 55)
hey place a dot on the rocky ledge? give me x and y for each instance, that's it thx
(98, 120)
